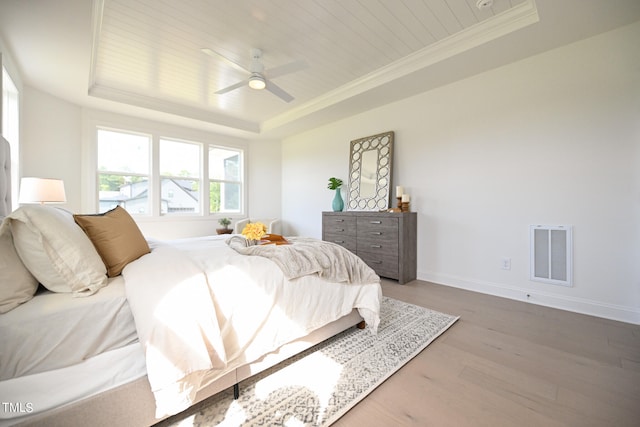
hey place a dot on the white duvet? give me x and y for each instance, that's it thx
(199, 306)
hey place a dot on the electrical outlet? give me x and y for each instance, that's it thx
(506, 263)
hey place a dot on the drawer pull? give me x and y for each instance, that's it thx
(376, 262)
(376, 246)
(340, 229)
(377, 233)
(338, 241)
(375, 222)
(339, 220)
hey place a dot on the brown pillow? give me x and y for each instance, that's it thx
(115, 236)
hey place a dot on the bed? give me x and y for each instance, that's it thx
(128, 331)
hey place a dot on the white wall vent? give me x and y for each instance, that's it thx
(551, 254)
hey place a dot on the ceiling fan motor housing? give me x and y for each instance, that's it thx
(256, 62)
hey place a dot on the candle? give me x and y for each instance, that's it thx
(399, 191)
(406, 198)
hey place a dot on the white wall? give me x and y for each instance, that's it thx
(57, 143)
(553, 139)
(50, 141)
(264, 179)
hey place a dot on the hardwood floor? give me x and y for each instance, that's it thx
(509, 363)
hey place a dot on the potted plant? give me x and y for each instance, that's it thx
(335, 184)
(224, 222)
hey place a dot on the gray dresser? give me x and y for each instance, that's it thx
(385, 241)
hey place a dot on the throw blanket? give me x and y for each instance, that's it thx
(307, 256)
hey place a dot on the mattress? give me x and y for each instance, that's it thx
(56, 330)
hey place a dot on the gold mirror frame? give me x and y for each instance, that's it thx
(370, 172)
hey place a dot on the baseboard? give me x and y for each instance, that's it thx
(562, 302)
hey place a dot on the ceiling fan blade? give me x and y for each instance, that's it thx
(291, 67)
(233, 87)
(217, 55)
(278, 91)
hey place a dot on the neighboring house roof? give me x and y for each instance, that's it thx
(140, 190)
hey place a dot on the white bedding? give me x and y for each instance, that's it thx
(254, 311)
(227, 309)
(55, 330)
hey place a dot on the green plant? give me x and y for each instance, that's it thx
(224, 222)
(334, 183)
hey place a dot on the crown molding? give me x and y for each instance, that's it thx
(181, 110)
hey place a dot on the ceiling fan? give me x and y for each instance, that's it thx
(259, 78)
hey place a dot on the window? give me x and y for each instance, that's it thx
(179, 177)
(11, 127)
(123, 171)
(151, 175)
(225, 180)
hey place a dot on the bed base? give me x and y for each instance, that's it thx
(236, 386)
(133, 404)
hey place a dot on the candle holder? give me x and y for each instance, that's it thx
(405, 207)
(399, 201)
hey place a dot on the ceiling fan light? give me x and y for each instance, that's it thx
(256, 81)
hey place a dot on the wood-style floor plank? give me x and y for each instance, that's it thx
(509, 363)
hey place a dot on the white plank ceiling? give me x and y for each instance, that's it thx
(149, 51)
(146, 55)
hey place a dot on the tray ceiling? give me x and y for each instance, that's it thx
(149, 52)
(143, 58)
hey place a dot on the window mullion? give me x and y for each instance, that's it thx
(204, 181)
(155, 178)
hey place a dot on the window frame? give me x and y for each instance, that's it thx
(208, 180)
(122, 173)
(198, 179)
(94, 120)
(12, 136)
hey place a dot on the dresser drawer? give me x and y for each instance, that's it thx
(385, 265)
(374, 222)
(337, 224)
(342, 239)
(379, 243)
(378, 235)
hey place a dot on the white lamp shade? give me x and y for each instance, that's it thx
(41, 190)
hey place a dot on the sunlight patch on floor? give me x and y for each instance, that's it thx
(318, 373)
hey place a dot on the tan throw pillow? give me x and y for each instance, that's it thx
(115, 236)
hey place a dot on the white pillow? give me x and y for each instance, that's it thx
(56, 250)
(17, 285)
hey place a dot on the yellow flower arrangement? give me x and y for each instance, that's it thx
(254, 230)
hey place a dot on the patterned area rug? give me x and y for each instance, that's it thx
(321, 384)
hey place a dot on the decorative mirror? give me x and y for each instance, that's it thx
(370, 173)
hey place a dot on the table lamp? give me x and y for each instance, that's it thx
(41, 190)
